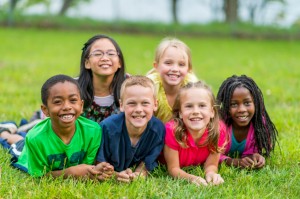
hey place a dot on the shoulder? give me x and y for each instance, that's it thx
(113, 122)
(87, 123)
(39, 130)
(153, 75)
(156, 124)
(191, 77)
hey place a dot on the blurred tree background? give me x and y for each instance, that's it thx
(233, 17)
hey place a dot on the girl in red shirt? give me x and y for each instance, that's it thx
(192, 137)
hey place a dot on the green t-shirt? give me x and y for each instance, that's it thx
(44, 151)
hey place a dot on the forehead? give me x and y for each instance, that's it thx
(138, 92)
(195, 95)
(241, 92)
(63, 89)
(173, 52)
(102, 44)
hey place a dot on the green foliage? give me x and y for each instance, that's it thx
(30, 56)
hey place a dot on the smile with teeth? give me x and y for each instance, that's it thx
(104, 66)
(195, 119)
(138, 117)
(67, 117)
(173, 76)
(242, 117)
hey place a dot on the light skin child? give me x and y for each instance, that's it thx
(64, 106)
(173, 65)
(196, 111)
(138, 103)
(103, 61)
(241, 111)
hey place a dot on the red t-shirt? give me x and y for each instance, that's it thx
(192, 155)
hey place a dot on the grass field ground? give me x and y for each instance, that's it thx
(29, 56)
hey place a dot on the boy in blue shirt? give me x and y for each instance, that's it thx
(133, 138)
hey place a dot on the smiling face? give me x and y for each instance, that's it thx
(172, 66)
(64, 105)
(242, 107)
(103, 65)
(196, 110)
(138, 103)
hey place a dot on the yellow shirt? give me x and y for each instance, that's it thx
(164, 111)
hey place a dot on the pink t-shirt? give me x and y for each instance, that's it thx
(192, 155)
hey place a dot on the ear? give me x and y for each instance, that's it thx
(45, 110)
(82, 103)
(87, 64)
(180, 116)
(155, 65)
(212, 115)
(121, 106)
(155, 107)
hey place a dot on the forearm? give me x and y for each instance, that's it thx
(181, 174)
(77, 171)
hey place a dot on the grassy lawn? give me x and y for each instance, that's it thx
(29, 56)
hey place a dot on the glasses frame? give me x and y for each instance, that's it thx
(104, 53)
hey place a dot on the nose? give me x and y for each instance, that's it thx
(138, 108)
(67, 106)
(196, 110)
(105, 56)
(242, 108)
(174, 67)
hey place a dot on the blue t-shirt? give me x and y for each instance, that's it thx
(116, 146)
(237, 148)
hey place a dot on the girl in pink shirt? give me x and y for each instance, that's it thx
(192, 137)
(251, 133)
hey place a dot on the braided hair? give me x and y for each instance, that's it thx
(265, 132)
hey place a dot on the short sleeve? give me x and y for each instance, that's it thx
(170, 140)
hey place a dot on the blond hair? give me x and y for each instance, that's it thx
(176, 43)
(137, 80)
(213, 126)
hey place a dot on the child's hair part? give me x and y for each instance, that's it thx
(176, 43)
(265, 130)
(54, 80)
(86, 77)
(213, 126)
(138, 80)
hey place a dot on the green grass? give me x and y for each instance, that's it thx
(29, 56)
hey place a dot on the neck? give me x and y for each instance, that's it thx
(65, 134)
(134, 133)
(102, 85)
(197, 135)
(171, 93)
(241, 129)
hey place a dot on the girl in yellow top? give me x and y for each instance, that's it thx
(172, 70)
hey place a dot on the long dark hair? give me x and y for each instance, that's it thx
(264, 130)
(85, 79)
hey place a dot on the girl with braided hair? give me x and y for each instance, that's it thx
(251, 134)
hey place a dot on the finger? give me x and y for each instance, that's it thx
(93, 171)
(128, 171)
(209, 178)
(218, 179)
(126, 180)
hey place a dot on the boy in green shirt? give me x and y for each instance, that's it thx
(65, 143)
